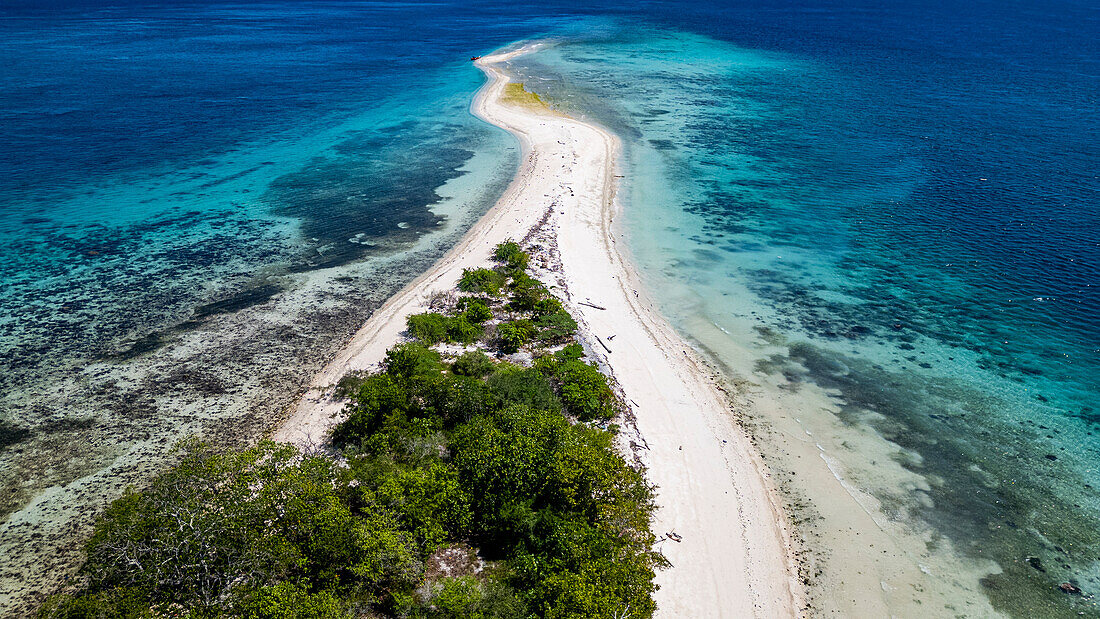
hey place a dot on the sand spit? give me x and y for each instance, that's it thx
(719, 515)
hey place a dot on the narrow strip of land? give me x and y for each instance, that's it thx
(719, 517)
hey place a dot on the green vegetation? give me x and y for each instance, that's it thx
(474, 363)
(556, 327)
(486, 281)
(514, 334)
(484, 466)
(514, 258)
(433, 328)
(527, 293)
(476, 310)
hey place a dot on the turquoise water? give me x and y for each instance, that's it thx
(200, 205)
(921, 272)
(882, 219)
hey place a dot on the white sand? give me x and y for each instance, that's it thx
(735, 557)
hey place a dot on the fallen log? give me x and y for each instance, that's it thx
(602, 344)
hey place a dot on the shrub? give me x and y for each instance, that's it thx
(527, 292)
(511, 255)
(430, 328)
(468, 598)
(585, 392)
(571, 352)
(114, 602)
(411, 360)
(481, 280)
(529, 387)
(546, 306)
(475, 363)
(290, 601)
(455, 398)
(376, 398)
(556, 326)
(219, 523)
(460, 329)
(477, 311)
(430, 502)
(514, 334)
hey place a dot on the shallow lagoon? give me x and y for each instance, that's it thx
(879, 222)
(906, 312)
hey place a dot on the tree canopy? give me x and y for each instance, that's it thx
(460, 486)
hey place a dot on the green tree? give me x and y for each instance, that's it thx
(219, 523)
(460, 329)
(429, 501)
(290, 601)
(377, 397)
(513, 385)
(585, 392)
(477, 310)
(411, 361)
(527, 293)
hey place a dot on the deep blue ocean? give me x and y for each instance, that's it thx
(888, 213)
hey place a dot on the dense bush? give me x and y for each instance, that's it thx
(410, 361)
(470, 598)
(514, 334)
(433, 458)
(462, 331)
(221, 531)
(529, 387)
(583, 389)
(430, 328)
(476, 310)
(546, 306)
(556, 326)
(474, 363)
(527, 292)
(486, 281)
(433, 328)
(514, 258)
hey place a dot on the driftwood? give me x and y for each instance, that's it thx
(591, 305)
(602, 344)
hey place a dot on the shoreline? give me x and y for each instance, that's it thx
(734, 554)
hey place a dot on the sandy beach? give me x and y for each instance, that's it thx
(730, 550)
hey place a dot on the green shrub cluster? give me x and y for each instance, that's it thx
(526, 293)
(515, 333)
(482, 280)
(474, 363)
(510, 254)
(265, 532)
(564, 517)
(433, 328)
(582, 388)
(434, 457)
(556, 327)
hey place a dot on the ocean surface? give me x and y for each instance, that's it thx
(880, 220)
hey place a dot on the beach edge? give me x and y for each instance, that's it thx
(719, 518)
